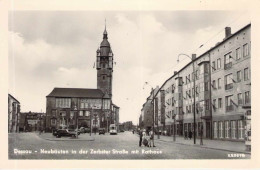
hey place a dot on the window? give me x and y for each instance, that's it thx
(173, 88)
(219, 102)
(206, 86)
(197, 74)
(245, 50)
(233, 129)
(104, 65)
(238, 53)
(207, 104)
(206, 68)
(221, 129)
(219, 83)
(202, 69)
(218, 63)
(229, 81)
(247, 97)
(63, 102)
(229, 104)
(239, 98)
(246, 74)
(53, 113)
(214, 104)
(104, 77)
(81, 113)
(228, 61)
(214, 84)
(213, 66)
(172, 101)
(71, 114)
(87, 113)
(241, 131)
(239, 76)
(215, 129)
(227, 129)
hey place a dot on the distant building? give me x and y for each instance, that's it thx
(147, 111)
(72, 107)
(128, 125)
(32, 121)
(13, 114)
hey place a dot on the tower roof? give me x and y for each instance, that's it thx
(105, 45)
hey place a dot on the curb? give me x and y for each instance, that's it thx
(68, 139)
(206, 147)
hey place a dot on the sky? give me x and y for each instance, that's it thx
(50, 49)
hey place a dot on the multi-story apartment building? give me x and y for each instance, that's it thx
(213, 91)
(231, 83)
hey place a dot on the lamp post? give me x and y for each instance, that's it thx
(174, 137)
(194, 115)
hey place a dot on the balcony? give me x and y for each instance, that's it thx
(229, 108)
(228, 66)
(228, 86)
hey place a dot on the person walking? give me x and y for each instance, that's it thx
(185, 135)
(190, 134)
(140, 138)
(151, 139)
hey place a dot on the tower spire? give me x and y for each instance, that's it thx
(105, 31)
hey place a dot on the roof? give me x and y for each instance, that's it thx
(217, 45)
(13, 98)
(76, 92)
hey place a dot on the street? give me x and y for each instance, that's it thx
(121, 146)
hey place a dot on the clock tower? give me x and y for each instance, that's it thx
(104, 66)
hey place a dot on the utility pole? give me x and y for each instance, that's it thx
(194, 114)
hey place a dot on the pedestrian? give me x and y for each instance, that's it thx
(185, 135)
(145, 140)
(151, 139)
(190, 134)
(140, 138)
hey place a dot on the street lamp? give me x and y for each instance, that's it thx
(174, 118)
(194, 115)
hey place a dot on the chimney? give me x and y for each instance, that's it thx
(193, 57)
(227, 32)
(175, 72)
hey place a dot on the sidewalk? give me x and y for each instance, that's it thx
(81, 137)
(232, 146)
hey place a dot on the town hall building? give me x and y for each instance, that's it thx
(84, 107)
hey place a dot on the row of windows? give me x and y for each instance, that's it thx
(229, 78)
(216, 65)
(84, 103)
(229, 129)
(217, 103)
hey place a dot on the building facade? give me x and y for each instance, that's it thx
(82, 107)
(210, 95)
(13, 114)
(32, 121)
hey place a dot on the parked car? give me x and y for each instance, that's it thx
(65, 132)
(101, 131)
(83, 130)
(122, 130)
